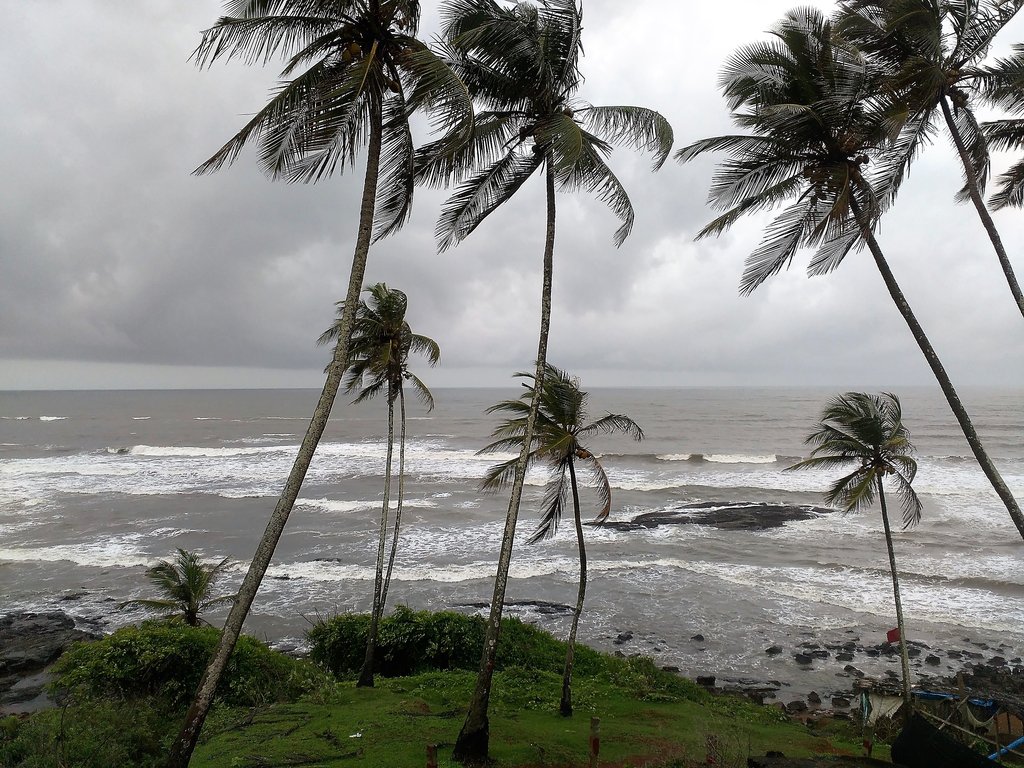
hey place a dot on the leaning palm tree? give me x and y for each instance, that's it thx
(378, 362)
(1003, 86)
(557, 437)
(930, 52)
(520, 61)
(813, 128)
(357, 73)
(186, 583)
(867, 433)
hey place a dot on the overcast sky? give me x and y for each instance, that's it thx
(120, 269)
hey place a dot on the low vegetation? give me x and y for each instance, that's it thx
(123, 697)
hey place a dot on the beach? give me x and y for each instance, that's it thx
(97, 486)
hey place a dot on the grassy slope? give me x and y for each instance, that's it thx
(396, 720)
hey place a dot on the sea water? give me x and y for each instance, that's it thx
(97, 486)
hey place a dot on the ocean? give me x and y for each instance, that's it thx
(96, 486)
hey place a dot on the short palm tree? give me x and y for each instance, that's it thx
(354, 75)
(1003, 86)
(557, 441)
(930, 52)
(378, 362)
(866, 434)
(520, 61)
(186, 583)
(814, 127)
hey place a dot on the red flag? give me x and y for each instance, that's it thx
(893, 635)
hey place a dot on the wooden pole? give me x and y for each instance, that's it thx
(595, 740)
(431, 756)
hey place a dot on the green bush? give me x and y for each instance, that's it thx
(411, 642)
(99, 734)
(166, 660)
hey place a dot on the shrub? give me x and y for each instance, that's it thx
(166, 660)
(99, 734)
(411, 642)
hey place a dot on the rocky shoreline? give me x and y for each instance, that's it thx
(29, 643)
(847, 663)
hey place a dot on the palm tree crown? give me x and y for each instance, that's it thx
(1003, 86)
(521, 64)
(803, 97)
(378, 358)
(558, 441)
(186, 582)
(351, 62)
(865, 432)
(930, 53)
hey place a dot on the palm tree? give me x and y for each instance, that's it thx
(186, 583)
(557, 441)
(1003, 86)
(357, 73)
(930, 52)
(866, 432)
(813, 128)
(520, 61)
(378, 360)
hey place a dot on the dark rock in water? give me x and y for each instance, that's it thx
(795, 707)
(997, 661)
(669, 668)
(698, 638)
(29, 642)
(844, 656)
(954, 654)
(802, 658)
(746, 516)
(873, 652)
(852, 670)
(913, 653)
(624, 637)
(708, 681)
(840, 702)
(542, 607)
(932, 659)
(774, 650)
(813, 698)
(820, 653)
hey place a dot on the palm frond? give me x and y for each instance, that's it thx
(1011, 188)
(552, 506)
(395, 179)
(481, 195)
(636, 127)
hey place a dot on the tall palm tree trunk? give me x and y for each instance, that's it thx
(962, 417)
(185, 743)
(979, 204)
(366, 673)
(472, 743)
(398, 504)
(565, 706)
(908, 702)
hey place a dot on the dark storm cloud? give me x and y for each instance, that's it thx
(111, 252)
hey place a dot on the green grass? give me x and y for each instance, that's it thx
(398, 719)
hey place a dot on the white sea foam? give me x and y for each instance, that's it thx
(141, 418)
(53, 418)
(729, 458)
(674, 456)
(107, 553)
(198, 452)
(206, 418)
(338, 506)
